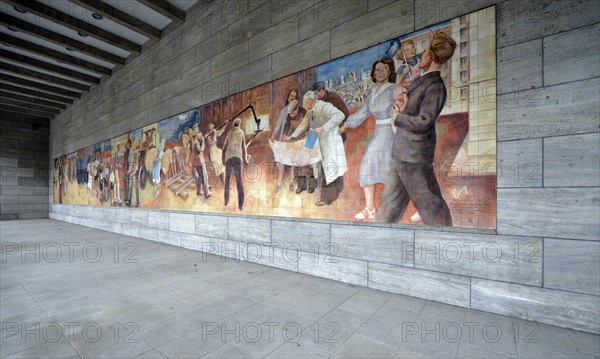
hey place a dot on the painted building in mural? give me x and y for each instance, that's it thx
(401, 132)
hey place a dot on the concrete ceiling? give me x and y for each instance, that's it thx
(53, 52)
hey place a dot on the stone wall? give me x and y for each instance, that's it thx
(541, 263)
(23, 166)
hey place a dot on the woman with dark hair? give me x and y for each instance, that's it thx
(376, 162)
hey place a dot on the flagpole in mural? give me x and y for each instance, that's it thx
(391, 133)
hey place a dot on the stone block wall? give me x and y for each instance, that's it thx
(541, 263)
(23, 166)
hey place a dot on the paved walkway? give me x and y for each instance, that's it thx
(73, 292)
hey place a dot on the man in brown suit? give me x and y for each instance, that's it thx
(411, 175)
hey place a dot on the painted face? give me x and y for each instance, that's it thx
(410, 51)
(382, 72)
(398, 55)
(309, 104)
(293, 95)
(320, 94)
(426, 59)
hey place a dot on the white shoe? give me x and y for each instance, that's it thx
(366, 213)
(415, 218)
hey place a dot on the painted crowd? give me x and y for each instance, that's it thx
(306, 137)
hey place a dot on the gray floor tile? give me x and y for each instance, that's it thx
(432, 337)
(181, 304)
(193, 345)
(488, 332)
(537, 350)
(394, 313)
(19, 336)
(359, 346)
(151, 354)
(60, 349)
(227, 351)
(451, 312)
(469, 351)
(585, 342)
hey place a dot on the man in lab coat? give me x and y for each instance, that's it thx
(323, 119)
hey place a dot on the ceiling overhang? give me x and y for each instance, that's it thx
(55, 52)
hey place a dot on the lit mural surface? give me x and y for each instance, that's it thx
(401, 132)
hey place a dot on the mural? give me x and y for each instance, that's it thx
(401, 132)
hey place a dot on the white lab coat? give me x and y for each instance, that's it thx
(330, 142)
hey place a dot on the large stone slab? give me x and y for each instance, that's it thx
(285, 10)
(182, 222)
(519, 163)
(182, 62)
(128, 229)
(139, 217)
(577, 311)
(302, 236)
(376, 4)
(273, 39)
(224, 248)
(505, 258)
(345, 270)
(195, 242)
(185, 101)
(572, 161)
(551, 111)
(519, 67)
(302, 55)
(195, 31)
(249, 229)
(121, 215)
(169, 237)
(431, 12)
(549, 212)
(583, 43)
(251, 75)
(211, 226)
(193, 75)
(379, 244)
(253, 23)
(439, 287)
(284, 258)
(327, 14)
(212, 46)
(159, 220)
(229, 60)
(384, 23)
(148, 233)
(520, 21)
(212, 90)
(572, 265)
(225, 13)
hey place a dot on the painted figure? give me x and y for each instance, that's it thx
(337, 101)
(117, 184)
(235, 155)
(202, 187)
(323, 119)
(156, 167)
(411, 175)
(127, 172)
(406, 61)
(214, 152)
(376, 161)
(133, 172)
(289, 118)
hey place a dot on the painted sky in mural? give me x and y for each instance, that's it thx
(389, 133)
